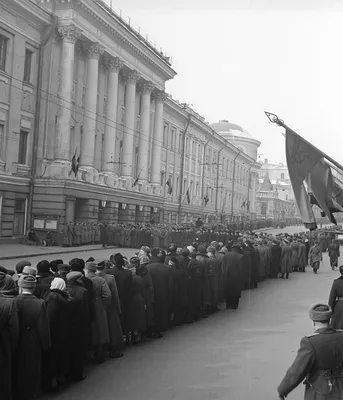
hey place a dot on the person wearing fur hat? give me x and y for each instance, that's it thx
(34, 340)
(319, 360)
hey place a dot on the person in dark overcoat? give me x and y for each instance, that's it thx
(286, 259)
(334, 254)
(123, 279)
(101, 300)
(232, 266)
(113, 313)
(80, 320)
(103, 235)
(302, 256)
(56, 361)
(214, 278)
(44, 275)
(149, 295)
(336, 301)
(34, 340)
(161, 278)
(9, 335)
(179, 292)
(318, 363)
(205, 271)
(275, 259)
(136, 309)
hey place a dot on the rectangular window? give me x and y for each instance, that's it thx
(173, 138)
(22, 147)
(2, 134)
(3, 52)
(27, 65)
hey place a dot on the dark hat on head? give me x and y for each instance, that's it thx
(6, 271)
(185, 252)
(202, 251)
(135, 260)
(320, 312)
(90, 259)
(64, 268)
(100, 266)
(43, 266)
(20, 265)
(117, 259)
(27, 282)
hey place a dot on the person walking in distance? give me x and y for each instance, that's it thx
(334, 254)
(319, 362)
(315, 256)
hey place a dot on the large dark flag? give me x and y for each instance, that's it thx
(75, 162)
(305, 162)
(301, 158)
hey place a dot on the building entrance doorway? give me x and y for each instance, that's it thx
(81, 210)
(19, 217)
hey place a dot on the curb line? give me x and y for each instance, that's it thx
(74, 250)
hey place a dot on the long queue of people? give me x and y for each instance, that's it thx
(56, 317)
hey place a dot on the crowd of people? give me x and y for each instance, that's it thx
(55, 317)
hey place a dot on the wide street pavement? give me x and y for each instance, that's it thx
(233, 355)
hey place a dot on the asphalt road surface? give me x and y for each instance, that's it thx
(233, 355)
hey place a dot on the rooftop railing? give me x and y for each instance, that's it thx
(134, 29)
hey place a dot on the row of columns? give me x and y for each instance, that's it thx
(69, 35)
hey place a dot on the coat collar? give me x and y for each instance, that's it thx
(325, 330)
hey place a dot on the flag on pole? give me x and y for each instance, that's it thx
(74, 164)
(170, 187)
(321, 187)
(243, 204)
(188, 196)
(301, 158)
(206, 200)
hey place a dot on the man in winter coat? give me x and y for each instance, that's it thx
(334, 254)
(232, 265)
(275, 259)
(286, 259)
(34, 340)
(302, 256)
(316, 256)
(161, 278)
(319, 362)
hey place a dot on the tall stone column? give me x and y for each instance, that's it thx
(156, 159)
(88, 137)
(129, 123)
(190, 163)
(69, 34)
(114, 66)
(144, 139)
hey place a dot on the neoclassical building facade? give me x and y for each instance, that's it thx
(88, 131)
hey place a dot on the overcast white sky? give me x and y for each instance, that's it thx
(237, 58)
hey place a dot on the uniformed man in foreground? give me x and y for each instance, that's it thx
(319, 362)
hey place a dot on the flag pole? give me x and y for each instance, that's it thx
(275, 119)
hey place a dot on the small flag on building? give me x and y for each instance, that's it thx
(170, 187)
(135, 182)
(206, 200)
(243, 204)
(74, 164)
(188, 196)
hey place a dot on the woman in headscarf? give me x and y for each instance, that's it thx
(57, 302)
(9, 333)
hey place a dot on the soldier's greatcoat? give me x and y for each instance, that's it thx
(319, 354)
(336, 293)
